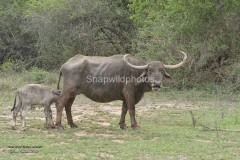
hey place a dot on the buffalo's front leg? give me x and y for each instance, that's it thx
(132, 114)
(68, 109)
(123, 115)
(130, 101)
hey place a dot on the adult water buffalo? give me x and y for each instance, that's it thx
(105, 79)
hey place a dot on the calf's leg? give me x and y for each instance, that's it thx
(48, 115)
(15, 113)
(24, 112)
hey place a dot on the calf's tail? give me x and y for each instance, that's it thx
(59, 79)
(15, 99)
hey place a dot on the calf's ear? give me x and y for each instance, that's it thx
(57, 91)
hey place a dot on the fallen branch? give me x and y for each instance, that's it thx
(206, 128)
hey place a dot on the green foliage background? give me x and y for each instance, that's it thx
(45, 33)
(207, 30)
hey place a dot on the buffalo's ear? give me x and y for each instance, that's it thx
(168, 78)
(141, 78)
(57, 91)
(143, 74)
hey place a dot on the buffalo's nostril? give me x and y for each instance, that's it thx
(157, 82)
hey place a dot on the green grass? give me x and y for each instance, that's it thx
(166, 129)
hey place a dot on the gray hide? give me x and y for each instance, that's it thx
(80, 71)
(34, 94)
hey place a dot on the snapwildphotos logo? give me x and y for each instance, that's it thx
(116, 79)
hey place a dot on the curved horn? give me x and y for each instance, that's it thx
(179, 64)
(131, 65)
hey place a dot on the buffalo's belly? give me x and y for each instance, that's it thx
(102, 93)
(102, 99)
(99, 96)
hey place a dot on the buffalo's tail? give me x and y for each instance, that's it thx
(15, 99)
(60, 75)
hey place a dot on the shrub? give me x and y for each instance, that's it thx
(37, 75)
(6, 66)
(12, 66)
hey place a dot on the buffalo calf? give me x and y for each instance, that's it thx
(34, 94)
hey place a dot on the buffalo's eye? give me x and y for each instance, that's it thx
(160, 70)
(150, 70)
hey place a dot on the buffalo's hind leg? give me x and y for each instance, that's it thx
(68, 109)
(60, 104)
(122, 123)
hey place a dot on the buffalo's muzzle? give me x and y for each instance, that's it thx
(156, 87)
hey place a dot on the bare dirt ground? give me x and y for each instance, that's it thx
(84, 108)
(87, 107)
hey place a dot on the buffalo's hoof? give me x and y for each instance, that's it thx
(123, 126)
(73, 125)
(135, 127)
(50, 126)
(14, 128)
(24, 129)
(59, 127)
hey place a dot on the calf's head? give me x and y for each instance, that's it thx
(154, 72)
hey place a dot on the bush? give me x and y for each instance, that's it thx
(4, 86)
(11, 66)
(206, 30)
(37, 75)
(6, 66)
